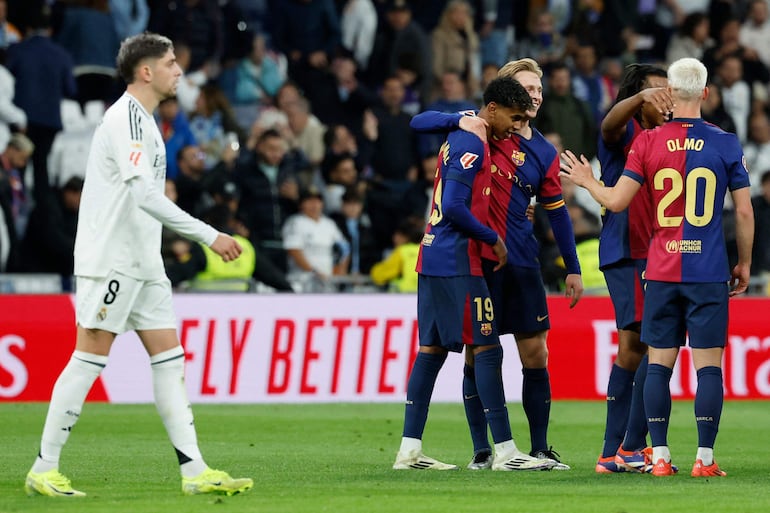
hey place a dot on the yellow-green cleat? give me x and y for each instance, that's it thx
(216, 482)
(52, 484)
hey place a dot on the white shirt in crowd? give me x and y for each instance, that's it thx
(316, 240)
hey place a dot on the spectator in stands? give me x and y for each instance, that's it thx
(340, 98)
(564, 113)
(197, 263)
(175, 129)
(267, 178)
(11, 116)
(43, 72)
(340, 174)
(13, 161)
(212, 123)
(355, 225)
(755, 31)
(306, 130)
(401, 35)
(12, 200)
(397, 271)
(9, 34)
(197, 23)
(692, 39)
(713, 109)
(395, 148)
(49, 243)
(130, 18)
(728, 44)
(494, 19)
(189, 87)
(338, 139)
(253, 81)
(736, 93)
(588, 84)
(544, 43)
(760, 262)
(310, 238)
(455, 47)
(192, 182)
(308, 33)
(418, 200)
(452, 98)
(757, 149)
(88, 33)
(358, 24)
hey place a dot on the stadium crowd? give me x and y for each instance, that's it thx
(291, 128)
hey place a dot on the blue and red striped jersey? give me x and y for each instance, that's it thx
(453, 239)
(686, 166)
(624, 234)
(522, 169)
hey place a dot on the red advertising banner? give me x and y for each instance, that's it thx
(313, 348)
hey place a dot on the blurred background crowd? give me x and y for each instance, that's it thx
(290, 128)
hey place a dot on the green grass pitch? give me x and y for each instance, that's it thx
(337, 458)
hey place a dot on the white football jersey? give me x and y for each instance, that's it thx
(113, 232)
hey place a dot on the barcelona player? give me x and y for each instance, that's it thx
(685, 166)
(524, 166)
(454, 308)
(643, 102)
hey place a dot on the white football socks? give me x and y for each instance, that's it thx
(69, 394)
(174, 407)
(661, 451)
(410, 444)
(706, 455)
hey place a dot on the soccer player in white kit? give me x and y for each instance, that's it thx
(121, 281)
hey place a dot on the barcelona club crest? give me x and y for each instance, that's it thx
(518, 157)
(486, 328)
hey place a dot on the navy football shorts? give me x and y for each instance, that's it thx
(455, 311)
(518, 294)
(625, 281)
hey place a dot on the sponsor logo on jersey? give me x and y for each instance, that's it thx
(134, 157)
(486, 328)
(468, 159)
(427, 239)
(518, 157)
(745, 165)
(684, 246)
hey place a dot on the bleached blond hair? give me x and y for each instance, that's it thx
(687, 77)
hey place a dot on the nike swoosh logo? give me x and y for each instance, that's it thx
(470, 396)
(541, 318)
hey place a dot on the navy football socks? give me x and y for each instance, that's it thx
(619, 389)
(536, 400)
(636, 431)
(419, 391)
(657, 402)
(489, 383)
(474, 411)
(708, 404)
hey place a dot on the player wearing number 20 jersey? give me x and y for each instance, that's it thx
(687, 165)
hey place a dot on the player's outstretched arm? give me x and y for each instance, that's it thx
(744, 236)
(579, 172)
(156, 204)
(435, 121)
(614, 123)
(226, 247)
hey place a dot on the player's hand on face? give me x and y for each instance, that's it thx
(501, 252)
(576, 170)
(739, 282)
(226, 247)
(574, 286)
(474, 125)
(660, 98)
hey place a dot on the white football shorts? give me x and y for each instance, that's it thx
(118, 303)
